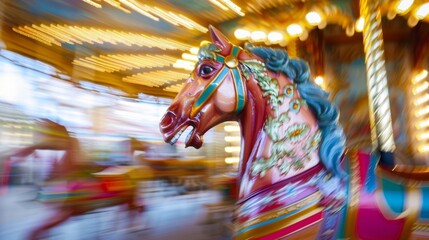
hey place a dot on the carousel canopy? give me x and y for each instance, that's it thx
(149, 46)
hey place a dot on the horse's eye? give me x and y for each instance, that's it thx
(205, 70)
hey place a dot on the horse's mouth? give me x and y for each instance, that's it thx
(192, 139)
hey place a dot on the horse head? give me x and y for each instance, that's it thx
(207, 96)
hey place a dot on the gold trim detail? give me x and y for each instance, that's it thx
(316, 197)
(274, 227)
(419, 227)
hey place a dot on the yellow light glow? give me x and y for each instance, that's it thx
(232, 160)
(190, 57)
(313, 18)
(422, 124)
(133, 5)
(275, 37)
(242, 34)
(232, 149)
(403, 6)
(92, 3)
(422, 111)
(350, 30)
(422, 11)
(57, 34)
(156, 78)
(424, 148)
(422, 87)
(120, 62)
(231, 128)
(412, 21)
(420, 76)
(152, 12)
(232, 139)
(233, 7)
(423, 136)
(421, 99)
(294, 30)
(220, 5)
(359, 24)
(319, 80)
(187, 65)
(194, 50)
(258, 36)
(174, 88)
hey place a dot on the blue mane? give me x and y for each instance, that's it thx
(333, 140)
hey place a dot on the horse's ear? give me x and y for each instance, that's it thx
(220, 40)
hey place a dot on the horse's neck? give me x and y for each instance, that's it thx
(267, 155)
(251, 123)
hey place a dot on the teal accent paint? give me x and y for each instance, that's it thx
(211, 87)
(235, 51)
(424, 212)
(394, 194)
(371, 180)
(341, 234)
(239, 91)
(220, 59)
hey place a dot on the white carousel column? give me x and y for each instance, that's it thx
(379, 106)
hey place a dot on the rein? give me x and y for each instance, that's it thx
(230, 65)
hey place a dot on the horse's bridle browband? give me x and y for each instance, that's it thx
(230, 64)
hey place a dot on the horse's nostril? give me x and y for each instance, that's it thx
(167, 120)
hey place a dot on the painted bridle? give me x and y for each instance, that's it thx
(230, 66)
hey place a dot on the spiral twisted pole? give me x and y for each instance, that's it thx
(378, 93)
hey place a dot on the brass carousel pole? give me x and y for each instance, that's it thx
(379, 106)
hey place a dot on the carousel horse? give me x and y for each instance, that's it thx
(74, 190)
(295, 179)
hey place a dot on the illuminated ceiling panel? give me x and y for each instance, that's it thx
(174, 88)
(121, 62)
(55, 34)
(156, 78)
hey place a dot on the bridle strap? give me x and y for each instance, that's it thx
(230, 65)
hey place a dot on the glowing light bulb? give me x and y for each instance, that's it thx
(275, 37)
(319, 80)
(258, 36)
(422, 11)
(294, 30)
(313, 18)
(242, 34)
(403, 6)
(359, 24)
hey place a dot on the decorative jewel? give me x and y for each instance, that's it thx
(295, 105)
(231, 61)
(297, 132)
(288, 91)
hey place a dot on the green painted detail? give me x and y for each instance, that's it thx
(235, 51)
(270, 86)
(220, 59)
(208, 91)
(207, 51)
(239, 90)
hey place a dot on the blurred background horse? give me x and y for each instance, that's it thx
(74, 188)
